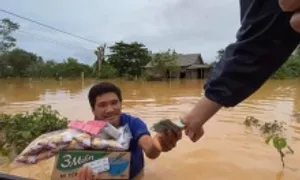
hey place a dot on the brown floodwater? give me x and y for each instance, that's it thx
(228, 151)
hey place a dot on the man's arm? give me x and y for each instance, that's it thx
(264, 42)
(146, 143)
(153, 146)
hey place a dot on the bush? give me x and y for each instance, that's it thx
(18, 131)
(272, 132)
(107, 71)
(290, 69)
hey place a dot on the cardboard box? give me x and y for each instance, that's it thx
(67, 164)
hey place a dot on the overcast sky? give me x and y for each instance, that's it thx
(188, 26)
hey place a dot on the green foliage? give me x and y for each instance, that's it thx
(72, 68)
(107, 71)
(220, 54)
(17, 131)
(16, 62)
(20, 63)
(165, 61)
(6, 28)
(128, 58)
(272, 132)
(290, 69)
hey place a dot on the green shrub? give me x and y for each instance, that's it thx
(273, 132)
(290, 69)
(107, 71)
(18, 131)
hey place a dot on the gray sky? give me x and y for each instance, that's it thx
(188, 26)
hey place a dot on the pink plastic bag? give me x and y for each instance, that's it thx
(94, 127)
(91, 127)
(76, 125)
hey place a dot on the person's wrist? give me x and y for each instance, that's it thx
(156, 143)
(204, 110)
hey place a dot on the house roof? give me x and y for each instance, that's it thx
(186, 60)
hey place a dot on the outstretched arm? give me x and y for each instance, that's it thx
(264, 42)
(153, 146)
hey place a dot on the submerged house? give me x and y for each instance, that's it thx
(191, 67)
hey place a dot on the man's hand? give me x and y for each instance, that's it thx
(161, 142)
(85, 173)
(166, 141)
(292, 6)
(195, 119)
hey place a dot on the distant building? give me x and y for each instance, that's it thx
(191, 67)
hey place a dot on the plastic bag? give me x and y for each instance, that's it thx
(47, 145)
(48, 141)
(125, 136)
(120, 144)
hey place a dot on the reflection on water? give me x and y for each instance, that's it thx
(227, 151)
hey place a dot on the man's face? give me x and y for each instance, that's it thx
(108, 107)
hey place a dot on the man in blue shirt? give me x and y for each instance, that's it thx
(106, 104)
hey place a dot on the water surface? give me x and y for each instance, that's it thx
(227, 151)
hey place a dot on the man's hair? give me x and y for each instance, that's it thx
(103, 88)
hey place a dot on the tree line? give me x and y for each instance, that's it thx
(124, 60)
(289, 70)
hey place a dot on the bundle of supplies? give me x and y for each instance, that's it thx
(94, 135)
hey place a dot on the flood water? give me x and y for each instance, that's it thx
(227, 151)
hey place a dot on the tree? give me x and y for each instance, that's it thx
(220, 54)
(21, 63)
(164, 63)
(290, 69)
(18, 60)
(6, 28)
(108, 71)
(128, 58)
(72, 68)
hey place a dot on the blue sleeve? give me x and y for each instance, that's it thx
(138, 128)
(265, 40)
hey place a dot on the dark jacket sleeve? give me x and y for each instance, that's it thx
(264, 42)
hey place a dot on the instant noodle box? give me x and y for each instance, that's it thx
(105, 164)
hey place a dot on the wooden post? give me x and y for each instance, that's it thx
(82, 75)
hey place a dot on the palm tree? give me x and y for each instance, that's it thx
(100, 53)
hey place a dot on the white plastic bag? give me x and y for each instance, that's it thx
(47, 145)
(125, 137)
(104, 141)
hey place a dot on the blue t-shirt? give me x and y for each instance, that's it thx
(138, 128)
